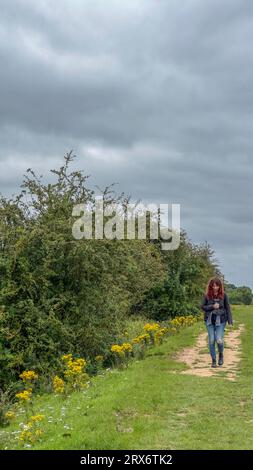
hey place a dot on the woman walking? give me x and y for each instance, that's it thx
(217, 313)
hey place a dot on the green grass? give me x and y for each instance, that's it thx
(151, 406)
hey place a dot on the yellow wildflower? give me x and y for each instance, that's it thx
(117, 349)
(36, 418)
(67, 358)
(162, 331)
(25, 395)
(151, 327)
(99, 358)
(28, 375)
(26, 435)
(141, 338)
(136, 340)
(58, 384)
(127, 347)
(144, 337)
(9, 415)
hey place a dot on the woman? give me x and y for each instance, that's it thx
(216, 314)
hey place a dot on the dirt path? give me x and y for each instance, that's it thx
(198, 358)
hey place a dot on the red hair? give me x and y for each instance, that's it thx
(210, 291)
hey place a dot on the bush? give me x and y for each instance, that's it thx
(59, 295)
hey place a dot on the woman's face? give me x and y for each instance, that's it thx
(215, 287)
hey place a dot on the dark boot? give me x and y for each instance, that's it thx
(220, 361)
(213, 362)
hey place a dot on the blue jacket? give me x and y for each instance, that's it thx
(207, 306)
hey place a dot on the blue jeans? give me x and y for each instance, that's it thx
(216, 334)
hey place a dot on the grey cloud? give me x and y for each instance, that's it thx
(155, 95)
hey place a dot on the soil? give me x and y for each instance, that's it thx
(198, 359)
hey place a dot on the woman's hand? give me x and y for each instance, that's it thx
(216, 306)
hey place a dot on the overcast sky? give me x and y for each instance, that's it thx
(155, 95)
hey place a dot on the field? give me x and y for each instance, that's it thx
(155, 403)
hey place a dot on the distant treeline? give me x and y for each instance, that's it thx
(59, 295)
(239, 295)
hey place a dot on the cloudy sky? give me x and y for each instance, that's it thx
(155, 95)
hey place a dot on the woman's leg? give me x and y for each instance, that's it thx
(211, 341)
(219, 336)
